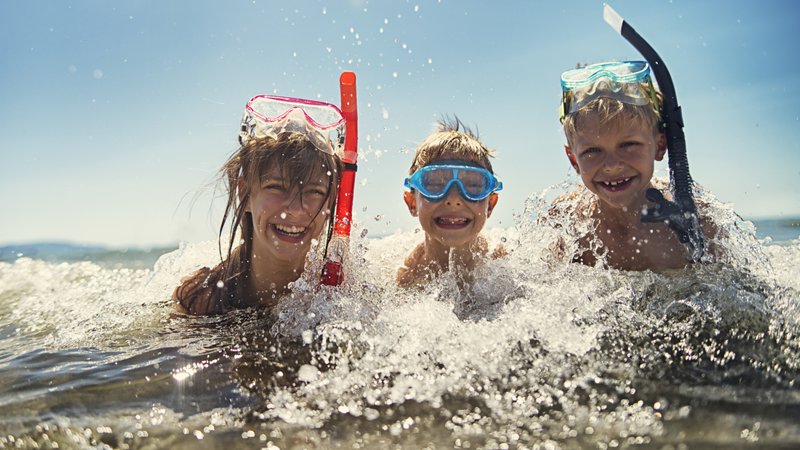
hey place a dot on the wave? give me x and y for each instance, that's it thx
(532, 352)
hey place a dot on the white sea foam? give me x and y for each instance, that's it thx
(534, 345)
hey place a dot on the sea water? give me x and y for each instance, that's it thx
(529, 353)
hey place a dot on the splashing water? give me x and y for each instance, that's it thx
(533, 351)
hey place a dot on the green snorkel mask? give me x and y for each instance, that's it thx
(627, 81)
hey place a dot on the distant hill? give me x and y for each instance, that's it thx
(66, 252)
(47, 250)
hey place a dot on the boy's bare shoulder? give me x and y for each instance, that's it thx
(570, 204)
(712, 232)
(499, 252)
(412, 270)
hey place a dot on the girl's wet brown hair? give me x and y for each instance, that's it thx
(300, 163)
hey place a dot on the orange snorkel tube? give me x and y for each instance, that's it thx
(332, 272)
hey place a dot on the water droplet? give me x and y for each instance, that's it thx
(364, 232)
(307, 373)
(283, 216)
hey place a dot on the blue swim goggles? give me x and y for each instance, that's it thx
(434, 181)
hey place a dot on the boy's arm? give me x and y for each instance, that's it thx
(712, 233)
(562, 211)
(412, 271)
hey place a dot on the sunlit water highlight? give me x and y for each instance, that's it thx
(533, 354)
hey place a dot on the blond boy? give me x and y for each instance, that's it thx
(452, 190)
(612, 126)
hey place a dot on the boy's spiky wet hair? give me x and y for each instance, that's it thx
(451, 140)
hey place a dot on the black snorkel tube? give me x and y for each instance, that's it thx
(681, 215)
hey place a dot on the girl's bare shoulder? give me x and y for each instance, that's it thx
(196, 293)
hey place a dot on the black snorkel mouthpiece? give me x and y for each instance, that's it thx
(680, 215)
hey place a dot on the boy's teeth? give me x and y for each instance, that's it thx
(617, 182)
(453, 220)
(290, 229)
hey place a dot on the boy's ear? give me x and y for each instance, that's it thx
(571, 157)
(240, 188)
(493, 198)
(411, 202)
(661, 146)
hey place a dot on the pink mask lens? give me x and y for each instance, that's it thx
(270, 115)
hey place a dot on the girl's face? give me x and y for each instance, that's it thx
(285, 221)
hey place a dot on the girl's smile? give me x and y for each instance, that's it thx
(289, 233)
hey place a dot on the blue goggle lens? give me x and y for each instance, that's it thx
(434, 181)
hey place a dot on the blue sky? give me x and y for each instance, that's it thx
(115, 116)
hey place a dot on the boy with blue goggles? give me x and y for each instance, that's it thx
(452, 191)
(435, 180)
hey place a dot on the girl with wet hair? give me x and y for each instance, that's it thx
(281, 191)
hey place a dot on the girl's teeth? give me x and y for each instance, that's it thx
(290, 229)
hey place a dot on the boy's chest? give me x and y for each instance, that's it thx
(649, 248)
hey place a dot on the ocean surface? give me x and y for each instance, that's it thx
(532, 353)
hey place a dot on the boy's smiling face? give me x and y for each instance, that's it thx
(615, 160)
(452, 221)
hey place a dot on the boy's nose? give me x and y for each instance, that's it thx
(453, 196)
(612, 163)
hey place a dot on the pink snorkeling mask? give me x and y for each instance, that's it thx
(270, 115)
